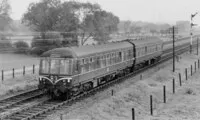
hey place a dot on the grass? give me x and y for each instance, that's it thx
(17, 61)
(19, 84)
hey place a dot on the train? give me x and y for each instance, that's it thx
(69, 71)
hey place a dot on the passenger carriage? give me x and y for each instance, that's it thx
(72, 70)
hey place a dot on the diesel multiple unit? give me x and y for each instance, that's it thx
(68, 71)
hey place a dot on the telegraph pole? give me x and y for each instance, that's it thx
(173, 48)
(197, 46)
(191, 34)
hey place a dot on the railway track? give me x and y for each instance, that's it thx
(12, 104)
(40, 110)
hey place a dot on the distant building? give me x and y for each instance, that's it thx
(183, 26)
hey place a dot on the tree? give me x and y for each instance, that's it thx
(71, 19)
(105, 23)
(68, 23)
(42, 16)
(4, 15)
(86, 16)
(127, 25)
(135, 29)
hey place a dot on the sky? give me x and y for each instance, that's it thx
(156, 11)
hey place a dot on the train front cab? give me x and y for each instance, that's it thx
(55, 75)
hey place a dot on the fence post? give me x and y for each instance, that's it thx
(24, 70)
(133, 114)
(198, 63)
(180, 79)
(13, 72)
(151, 104)
(61, 116)
(33, 69)
(164, 94)
(173, 85)
(141, 77)
(191, 70)
(186, 74)
(195, 66)
(2, 76)
(112, 92)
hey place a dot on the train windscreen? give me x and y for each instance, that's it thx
(56, 66)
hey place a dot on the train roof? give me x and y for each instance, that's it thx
(146, 41)
(74, 52)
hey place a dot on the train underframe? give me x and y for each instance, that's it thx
(76, 90)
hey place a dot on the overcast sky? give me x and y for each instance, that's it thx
(157, 11)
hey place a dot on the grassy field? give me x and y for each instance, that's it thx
(17, 61)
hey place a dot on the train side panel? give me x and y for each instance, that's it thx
(88, 76)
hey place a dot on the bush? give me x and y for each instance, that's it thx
(5, 46)
(21, 44)
(21, 47)
(40, 45)
(47, 40)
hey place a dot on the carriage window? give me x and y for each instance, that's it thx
(120, 56)
(98, 62)
(45, 63)
(65, 66)
(145, 49)
(104, 57)
(129, 54)
(86, 60)
(108, 59)
(55, 64)
(124, 57)
(91, 59)
(83, 61)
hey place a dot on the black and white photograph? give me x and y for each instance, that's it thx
(99, 60)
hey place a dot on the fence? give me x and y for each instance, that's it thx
(193, 68)
(30, 70)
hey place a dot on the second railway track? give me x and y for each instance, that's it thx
(13, 104)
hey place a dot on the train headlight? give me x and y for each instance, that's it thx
(40, 79)
(64, 82)
(51, 77)
(69, 80)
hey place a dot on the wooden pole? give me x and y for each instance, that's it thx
(197, 46)
(2, 75)
(173, 84)
(133, 114)
(33, 69)
(24, 70)
(173, 51)
(13, 72)
(164, 94)
(180, 79)
(186, 74)
(151, 104)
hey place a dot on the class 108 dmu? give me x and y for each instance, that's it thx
(69, 71)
